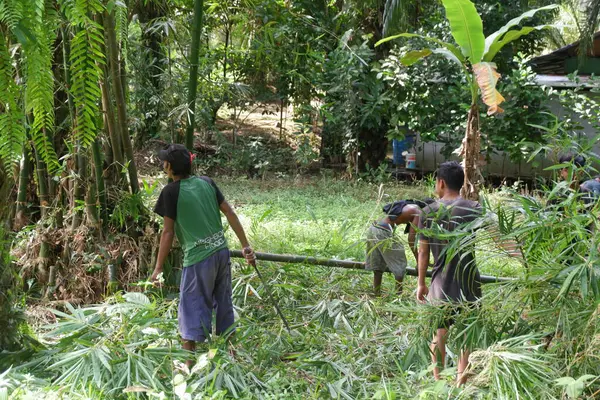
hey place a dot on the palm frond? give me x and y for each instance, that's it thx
(590, 27)
(12, 130)
(86, 57)
(395, 16)
(121, 22)
(11, 12)
(39, 93)
(515, 366)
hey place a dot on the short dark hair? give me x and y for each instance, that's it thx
(452, 173)
(576, 159)
(179, 157)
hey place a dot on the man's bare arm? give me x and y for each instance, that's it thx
(422, 264)
(166, 241)
(238, 229)
(415, 216)
(234, 222)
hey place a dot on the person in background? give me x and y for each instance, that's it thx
(384, 251)
(191, 206)
(588, 191)
(455, 282)
(592, 186)
(573, 171)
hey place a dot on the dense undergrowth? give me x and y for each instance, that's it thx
(535, 337)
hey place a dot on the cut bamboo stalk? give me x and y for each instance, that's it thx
(347, 264)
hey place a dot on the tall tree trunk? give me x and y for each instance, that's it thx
(372, 143)
(99, 177)
(470, 152)
(153, 54)
(52, 183)
(79, 186)
(91, 205)
(64, 193)
(193, 82)
(43, 259)
(171, 119)
(20, 217)
(281, 119)
(109, 26)
(113, 130)
(61, 200)
(42, 185)
(60, 70)
(227, 30)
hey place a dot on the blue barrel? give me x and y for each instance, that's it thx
(400, 146)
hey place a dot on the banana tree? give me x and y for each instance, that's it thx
(474, 55)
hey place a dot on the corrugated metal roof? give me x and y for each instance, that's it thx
(554, 63)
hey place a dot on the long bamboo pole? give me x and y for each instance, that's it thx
(327, 262)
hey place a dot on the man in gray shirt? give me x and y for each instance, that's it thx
(455, 278)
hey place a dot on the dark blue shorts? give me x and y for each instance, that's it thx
(204, 286)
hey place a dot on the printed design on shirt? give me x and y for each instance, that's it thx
(212, 242)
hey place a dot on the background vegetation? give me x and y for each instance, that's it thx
(271, 92)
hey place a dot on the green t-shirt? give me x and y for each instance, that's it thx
(193, 203)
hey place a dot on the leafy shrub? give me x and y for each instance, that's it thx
(127, 342)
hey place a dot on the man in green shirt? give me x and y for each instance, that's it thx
(190, 207)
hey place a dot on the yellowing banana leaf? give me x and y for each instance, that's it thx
(487, 77)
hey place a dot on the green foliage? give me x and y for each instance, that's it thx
(466, 28)
(306, 152)
(526, 105)
(525, 336)
(514, 367)
(574, 388)
(523, 122)
(121, 22)
(129, 210)
(353, 101)
(400, 14)
(33, 24)
(39, 93)
(12, 130)
(505, 35)
(376, 175)
(125, 343)
(589, 26)
(417, 95)
(11, 13)
(86, 57)
(12, 317)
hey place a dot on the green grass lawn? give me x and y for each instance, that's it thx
(322, 217)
